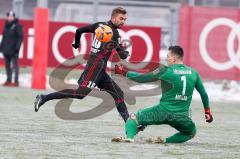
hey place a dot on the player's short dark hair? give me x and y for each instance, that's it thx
(118, 10)
(177, 50)
(10, 13)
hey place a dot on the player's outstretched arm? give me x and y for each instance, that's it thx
(204, 96)
(135, 76)
(80, 31)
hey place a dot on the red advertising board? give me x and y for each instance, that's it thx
(210, 38)
(145, 43)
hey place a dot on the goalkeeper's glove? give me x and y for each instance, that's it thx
(208, 115)
(120, 70)
(75, 45)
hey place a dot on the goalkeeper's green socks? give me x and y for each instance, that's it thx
(131, 128)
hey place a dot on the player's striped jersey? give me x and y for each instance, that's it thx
(100, 51)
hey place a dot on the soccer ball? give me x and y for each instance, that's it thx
(104, 33)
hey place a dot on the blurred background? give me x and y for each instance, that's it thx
(206, 29)
(159, 13)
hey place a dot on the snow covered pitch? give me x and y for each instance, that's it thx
(25, 134)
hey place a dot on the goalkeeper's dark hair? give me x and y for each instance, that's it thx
(118, 10)
(177, 50)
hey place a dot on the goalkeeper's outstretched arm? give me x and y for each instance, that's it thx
(138, 77)
(201, 90)
(141, 78)
(204, 96)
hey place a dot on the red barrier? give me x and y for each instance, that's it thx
(146, 43)
(210, 38)
(39, 66)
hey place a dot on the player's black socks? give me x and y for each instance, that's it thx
(66, 93)
(122, 109)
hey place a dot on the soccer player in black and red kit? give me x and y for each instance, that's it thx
(94, 73)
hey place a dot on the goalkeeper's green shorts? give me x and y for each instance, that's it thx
(156, 116)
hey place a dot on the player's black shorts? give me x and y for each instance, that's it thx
(91, 78)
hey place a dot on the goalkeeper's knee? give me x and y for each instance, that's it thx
(194, 132)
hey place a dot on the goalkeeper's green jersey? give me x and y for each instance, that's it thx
(177, 82)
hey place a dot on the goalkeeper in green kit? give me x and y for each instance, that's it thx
(174, 105)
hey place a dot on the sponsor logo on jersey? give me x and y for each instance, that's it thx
(182, 72)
